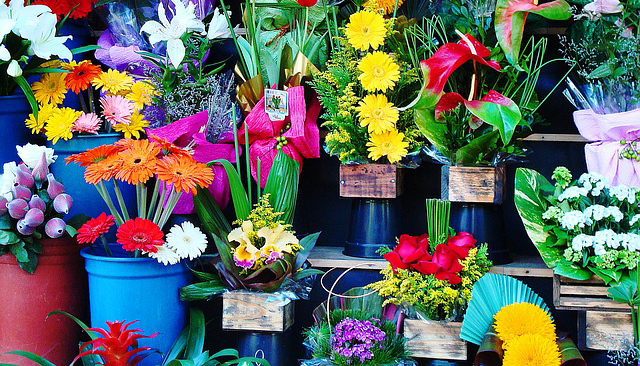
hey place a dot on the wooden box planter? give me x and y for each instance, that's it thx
(370, 180)
(473, 184)
(601, 330)
(435, 340)
(251, 311)
(591, 294)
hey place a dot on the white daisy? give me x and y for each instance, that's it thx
(187, 240)
(165, 255)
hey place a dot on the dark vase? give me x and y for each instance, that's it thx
(14, 110)
(277, 348)
(371, 227)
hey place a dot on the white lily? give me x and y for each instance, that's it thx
(14, 69)
(20, 18)
(4, 53)
(184, 20)
(219, 27)
(44, 42)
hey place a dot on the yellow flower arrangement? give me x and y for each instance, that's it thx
(135, 126)
(377, 113)
(519, 319)
(50, 89)
(389, 143)
(379, 72)
(141, 94)
(532, 350)
(58, 126)
(366, 29)
(44, 112)
(113, 81)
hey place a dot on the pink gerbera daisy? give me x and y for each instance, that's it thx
(87, 122)
(117, 109)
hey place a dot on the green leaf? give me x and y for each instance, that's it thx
(33, 357)
(306, 273)
(45, 70)
(5, 222)
(84, 49)
(28, 92)
(434, 131)
(82, 325)
(20, 252)
(468, 154)
(210, 214)
(8, 237)
(601, 71)
(202, 290)
(571, 270)
(71, 231)
(282, 186)
(503, 117)
(238, 193)
(195, 343)
(307, 243)
(228, 352)
(181, 363)
(570, 353)
(78, 220)
(31, 264)
(177, 347)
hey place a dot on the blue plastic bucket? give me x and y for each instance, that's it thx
(125, 288)
(14, 110)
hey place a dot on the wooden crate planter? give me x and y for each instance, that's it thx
(244, 310)
(370, 181)
(435, 340)
(570, 294)
(602, 330)
(472, 184)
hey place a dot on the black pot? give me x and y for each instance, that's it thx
(277, 348)
(371, 227)
(442, 363)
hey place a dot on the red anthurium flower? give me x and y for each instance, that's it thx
(409, 250)
(92, 229)
(140, 234)
(445, 265)
(461, 244)
(307, 2)
(118, 346)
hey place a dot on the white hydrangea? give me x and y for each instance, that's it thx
(593, 182)
(633, 220)
(623, 193)
(607, 238)
(614, 211)
(582, 241)
(595, 213)
(573, 192)
(599, 249)
(573, 219)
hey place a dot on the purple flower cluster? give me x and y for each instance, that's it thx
(355, 339)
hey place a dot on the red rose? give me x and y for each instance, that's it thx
(445, 265)
(462, 243)
(409, 250)
(307, 2)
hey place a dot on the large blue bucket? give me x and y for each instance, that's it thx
(125, 288)
(14, 110)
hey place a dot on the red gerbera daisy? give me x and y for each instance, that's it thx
(92, 229)
(140, 234)
(80, 76)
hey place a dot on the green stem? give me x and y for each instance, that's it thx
(306, 24)
(102, 190)
(235, 139)
(173, 201)
(92, 107)
(259, 180)
(106, 246)
(158, 210)
(123, 206)
(248, 164)
(395, 9)
(83, 105)
(144, 201)
(154, 198)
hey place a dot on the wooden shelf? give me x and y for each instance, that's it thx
(555, 137)
(330, 257)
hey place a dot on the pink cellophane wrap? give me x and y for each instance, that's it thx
(603, 153)
(181, 133)
(303, 136)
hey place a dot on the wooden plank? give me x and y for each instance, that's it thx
(370, 180)
(245, 310)
(585, 303)
(608, 330)
(591, 294)
(472, 184)
(555, 137)
(436, 340)
(584, 290)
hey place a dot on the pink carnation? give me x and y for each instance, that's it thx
(116, 109)
(87, 122)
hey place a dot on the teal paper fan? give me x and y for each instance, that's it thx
(490, 294)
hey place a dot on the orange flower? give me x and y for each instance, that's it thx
(103, 170)
(169, 149)
(184, 173)
(138, 161)
(81, 75)
(92, 156)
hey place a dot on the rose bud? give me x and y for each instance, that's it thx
(34, 217)
(24, 168)
(18, 208)
(54, 188)
(3, 205)
(21, 192)
(41, 170)
(37, 202)
(55, 228)
(62, 203)
(23, 178)
(25, 229)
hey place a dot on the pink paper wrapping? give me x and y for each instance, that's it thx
(181, 133)
(303, 136)
(603, 154)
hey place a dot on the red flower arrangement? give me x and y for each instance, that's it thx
(63, 7)
(140, 234)
(94, 228)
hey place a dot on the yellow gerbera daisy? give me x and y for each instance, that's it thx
(113, 81)
(133, 129)
(516, 320)
(379, 72)
(142, 94)
(532, 350)
(366, 29)
(387, 5)
(53, 64)
(59, 125)
(389, 143)
(44, 112)
(377, 113)
(50, 89)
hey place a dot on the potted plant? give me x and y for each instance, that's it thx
(39, 259)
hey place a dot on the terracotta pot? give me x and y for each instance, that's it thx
(58, 283)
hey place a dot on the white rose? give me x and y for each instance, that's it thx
(7, 179)
(31, 154)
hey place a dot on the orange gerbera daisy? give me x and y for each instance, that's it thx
(80, 77)
(184, 173)
(103, 170)
(92, 156)
(168, 148)
(138, 161)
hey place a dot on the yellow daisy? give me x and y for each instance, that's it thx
(44, 112)
(532, 350)
(516, 320)
(390, 144)
(113, 81)
(133, 129)
(379, 72)
(377, 113)
(50, 89)
(59, 125)
(142, 94)
(387, 5)
(366, 29)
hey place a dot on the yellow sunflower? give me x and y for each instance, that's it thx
(366, 29)
(532, 350)
(379, 72)
(142, 94)
(133, 129)
(387, 5)
(389, 143)
(113, 81)
(44, 112)
(58, 126)
(377, 113)
(50, 89)
(516, 320)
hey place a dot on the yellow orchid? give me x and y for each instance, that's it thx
(277, 241)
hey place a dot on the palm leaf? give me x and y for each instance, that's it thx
(210, 214)
(195, 342)
(282, 186)
(238, 192)
(307, 243)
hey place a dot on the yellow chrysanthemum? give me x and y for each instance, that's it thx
(50, 89)
(516, 320)
(59, 125)
(366, 29)
(133, 129)
(379, 72)
(113, 81)
(142, 94)
(532, 350)
(389, 143)
(44, 112)
(387, 5)
(377, 113)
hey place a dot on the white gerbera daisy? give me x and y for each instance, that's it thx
(165, 255)
(187, 240)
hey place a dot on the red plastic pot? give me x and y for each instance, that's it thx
(59, 283)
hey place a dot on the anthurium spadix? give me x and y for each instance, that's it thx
(511, 16)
